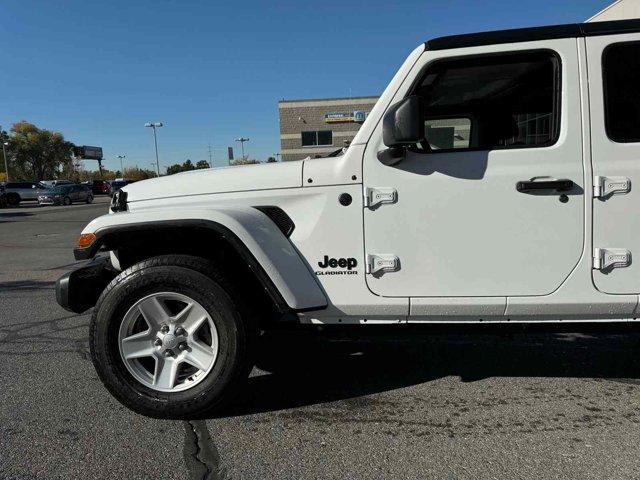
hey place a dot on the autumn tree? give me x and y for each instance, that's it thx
(37, 154)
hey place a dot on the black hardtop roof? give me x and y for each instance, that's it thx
(570, 30)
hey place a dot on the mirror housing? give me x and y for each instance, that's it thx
(402, 125)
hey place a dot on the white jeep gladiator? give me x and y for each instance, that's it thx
(490, 184)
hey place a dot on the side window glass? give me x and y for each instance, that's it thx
(621, 79)
(492, 101)
(448, 133)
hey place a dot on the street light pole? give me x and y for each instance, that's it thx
(155, 125)
(242, 140)
(122, 157)
(4, 154)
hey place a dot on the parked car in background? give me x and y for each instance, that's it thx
(66, 195)
(118, 184)
(55, 183)
(8, 199)
(26, 191)
(99, 187)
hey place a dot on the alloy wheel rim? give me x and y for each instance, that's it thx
(168, 342)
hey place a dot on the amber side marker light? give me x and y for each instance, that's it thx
(86, 239)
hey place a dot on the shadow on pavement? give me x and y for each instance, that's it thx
(15, 214)
(26, 285)
(324, 371)
(11, 215)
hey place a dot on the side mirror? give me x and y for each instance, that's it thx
(403, 124)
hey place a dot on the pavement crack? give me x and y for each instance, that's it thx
(200, 453)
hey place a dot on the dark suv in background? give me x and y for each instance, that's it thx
(99, 187)
(118, 184)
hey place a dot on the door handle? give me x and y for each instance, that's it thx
(527, 186)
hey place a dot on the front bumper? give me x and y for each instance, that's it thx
(78, 290)
(49, 201)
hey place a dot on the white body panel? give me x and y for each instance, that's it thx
(220, 180)
(616, 224)
(459, 226)
(471, 247)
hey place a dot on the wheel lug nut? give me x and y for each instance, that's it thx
(183, 346)
(158, 342)
(180, 331)
(164, 328)
(168, 353)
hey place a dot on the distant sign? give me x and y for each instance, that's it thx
(89, 153)
(230, 152)
(345, 117)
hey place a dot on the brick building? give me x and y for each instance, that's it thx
(316, 127)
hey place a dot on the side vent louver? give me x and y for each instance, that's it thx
(280, 218)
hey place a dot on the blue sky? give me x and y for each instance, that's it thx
(213, 71)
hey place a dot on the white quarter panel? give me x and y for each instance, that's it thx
(616, 223)
(459, 227)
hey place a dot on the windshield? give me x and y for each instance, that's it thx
(60, 189)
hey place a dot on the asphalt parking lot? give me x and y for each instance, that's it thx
(410, 406)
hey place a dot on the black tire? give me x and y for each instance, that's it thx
(66, 201)
(198, 279)
(89, 198)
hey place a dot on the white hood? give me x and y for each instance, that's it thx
(219, 180)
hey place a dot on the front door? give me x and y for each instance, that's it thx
(614, 90)
(483, 207)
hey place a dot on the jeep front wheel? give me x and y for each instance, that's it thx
(170, 341)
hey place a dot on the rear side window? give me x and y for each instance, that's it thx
(621, 79)
(492, 101)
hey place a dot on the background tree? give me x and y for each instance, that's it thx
(187, 165)
(136, 174)
(37, 154)
(271, 160)
(202, 164)
(175, 168)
